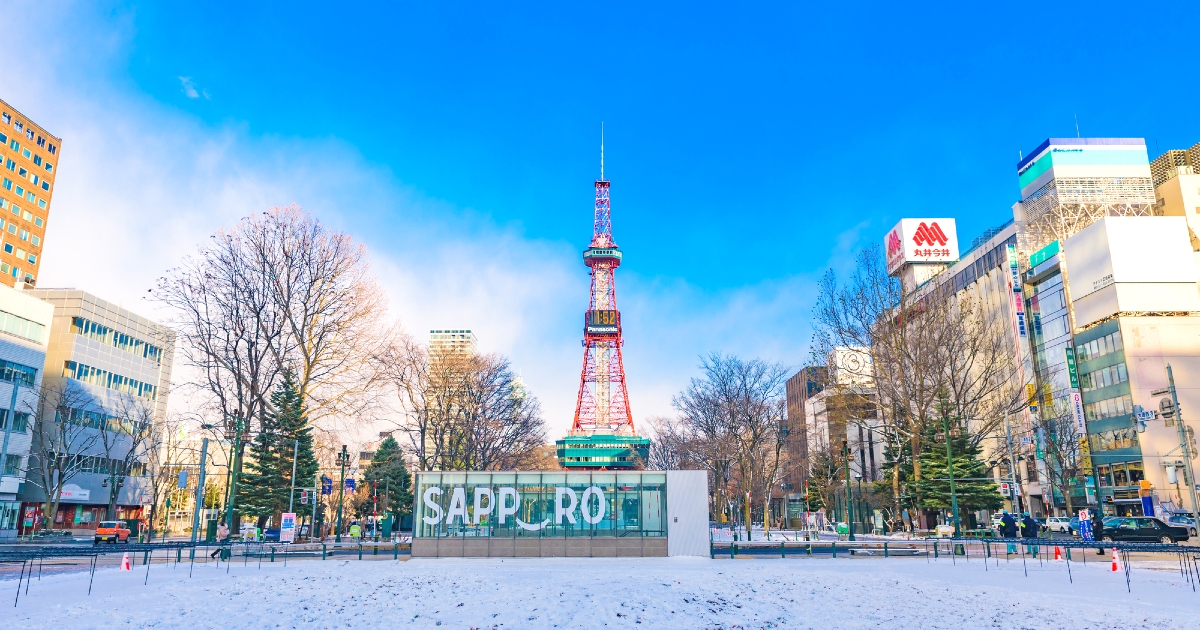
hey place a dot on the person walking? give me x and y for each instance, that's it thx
(1029, 529)
(1008, 525)
(1098, 529)
(222, 537)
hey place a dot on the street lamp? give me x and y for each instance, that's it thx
(342, 458)
(849, 499)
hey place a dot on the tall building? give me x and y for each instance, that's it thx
(30, 158)
(1102, 293)
(1177, 187)
(24, 334)
(119, 364)
(447, 342)
(1069, 183)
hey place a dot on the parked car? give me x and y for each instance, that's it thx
(1059, 524)
(111, 532)
(1183, 520)
(1074, 524)
(1142, 529)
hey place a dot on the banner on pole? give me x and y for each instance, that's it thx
(287, 527)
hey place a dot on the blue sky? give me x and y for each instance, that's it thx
(749, 147)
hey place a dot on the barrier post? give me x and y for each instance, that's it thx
(834, 549)
(323, 551)
(885, 550)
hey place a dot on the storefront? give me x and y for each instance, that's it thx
(561, 514)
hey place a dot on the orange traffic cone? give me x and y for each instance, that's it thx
(1114, 560)
(126, 566)
(1057, 553)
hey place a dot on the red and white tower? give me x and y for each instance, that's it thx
(603, 402)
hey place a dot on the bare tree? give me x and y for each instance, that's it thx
(127, 440)
(734, 417)
(461, 411)
(62, 436)
(928, 347)
(164, 463)
(330, 306)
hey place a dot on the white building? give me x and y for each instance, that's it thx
(118, 361)
(24, 334)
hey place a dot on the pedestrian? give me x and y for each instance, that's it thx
(1029, 527)
(222, 537)
(1008, 525)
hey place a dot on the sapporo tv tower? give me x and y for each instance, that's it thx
(602, 436)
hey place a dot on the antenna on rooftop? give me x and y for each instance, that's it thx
(601, 151)
(1076, 125)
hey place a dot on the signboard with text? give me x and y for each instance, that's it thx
(287, 527)
(922, 241)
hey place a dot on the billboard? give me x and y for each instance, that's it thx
(921, 240)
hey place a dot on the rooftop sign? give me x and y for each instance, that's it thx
(921, 241)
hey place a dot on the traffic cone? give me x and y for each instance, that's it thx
(1114, 560)
(126, 566)
(1057, 552)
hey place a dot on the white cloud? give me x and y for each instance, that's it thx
(141, 184)
(189, 88)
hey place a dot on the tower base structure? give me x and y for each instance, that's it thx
(603, 451)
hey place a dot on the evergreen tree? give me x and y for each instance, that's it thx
(389, 470)
(972, 483)
(266, 481)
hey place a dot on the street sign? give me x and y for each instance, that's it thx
(304, 497)
(1005, 489)
(350, 484)
(287, 527)
(182, 479)
(326, 485)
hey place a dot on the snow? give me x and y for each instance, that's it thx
(614, 593)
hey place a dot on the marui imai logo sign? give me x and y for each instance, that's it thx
(921, 240)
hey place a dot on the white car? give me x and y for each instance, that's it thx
(1059, 524)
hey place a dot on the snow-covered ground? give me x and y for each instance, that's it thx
(612, 593)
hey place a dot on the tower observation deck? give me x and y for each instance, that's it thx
(602, 436)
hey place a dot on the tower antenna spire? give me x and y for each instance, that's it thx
(602, 151)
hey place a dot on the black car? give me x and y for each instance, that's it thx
(1142, 529)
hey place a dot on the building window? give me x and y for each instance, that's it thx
(8, 248)
(38, 221)
(18, 125)
(53, 149)
(20, 424)
(12, 464)
(41, 203)
(20, 191)
(12, 227)
(10, 165)
(22, 374)
(22, 172)
(7, 184)
(37, 160)
(35, 240)
(1105, 475)
(14, 145)
(27, 154)
(111, 337)
(41, 142)
(5, 118)
(21, 327)
(1104, 377)
(104, 378)
(1099, 347)
(29, 134)
(49, 167)
(29, 196)
(27, 215)
(45, 185)
(24, 235)
(1107, 408)
(32, 259)
(20, 253)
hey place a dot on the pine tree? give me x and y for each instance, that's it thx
(972, 485)
(388, 469)
(266, 482)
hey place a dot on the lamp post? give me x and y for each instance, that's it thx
(341, 460)
(199, 491)
(950, 468)
(1189, 474)
(234, 468)
(849, 499)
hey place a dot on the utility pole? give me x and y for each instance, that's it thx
(375, 514)
(292, 493)
(849, 499)
(234, 467)
(950, 468)
(199, 491)
(341, 460)
(1189, 474)
(1018, 487)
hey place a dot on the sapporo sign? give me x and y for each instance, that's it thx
(505, 502)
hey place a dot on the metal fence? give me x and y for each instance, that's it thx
(987, 550)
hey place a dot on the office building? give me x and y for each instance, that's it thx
(29, 155)
(1097, 275)
(447, 342)
(118, 364)
(24, 335)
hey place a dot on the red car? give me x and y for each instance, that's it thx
(112, 532)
